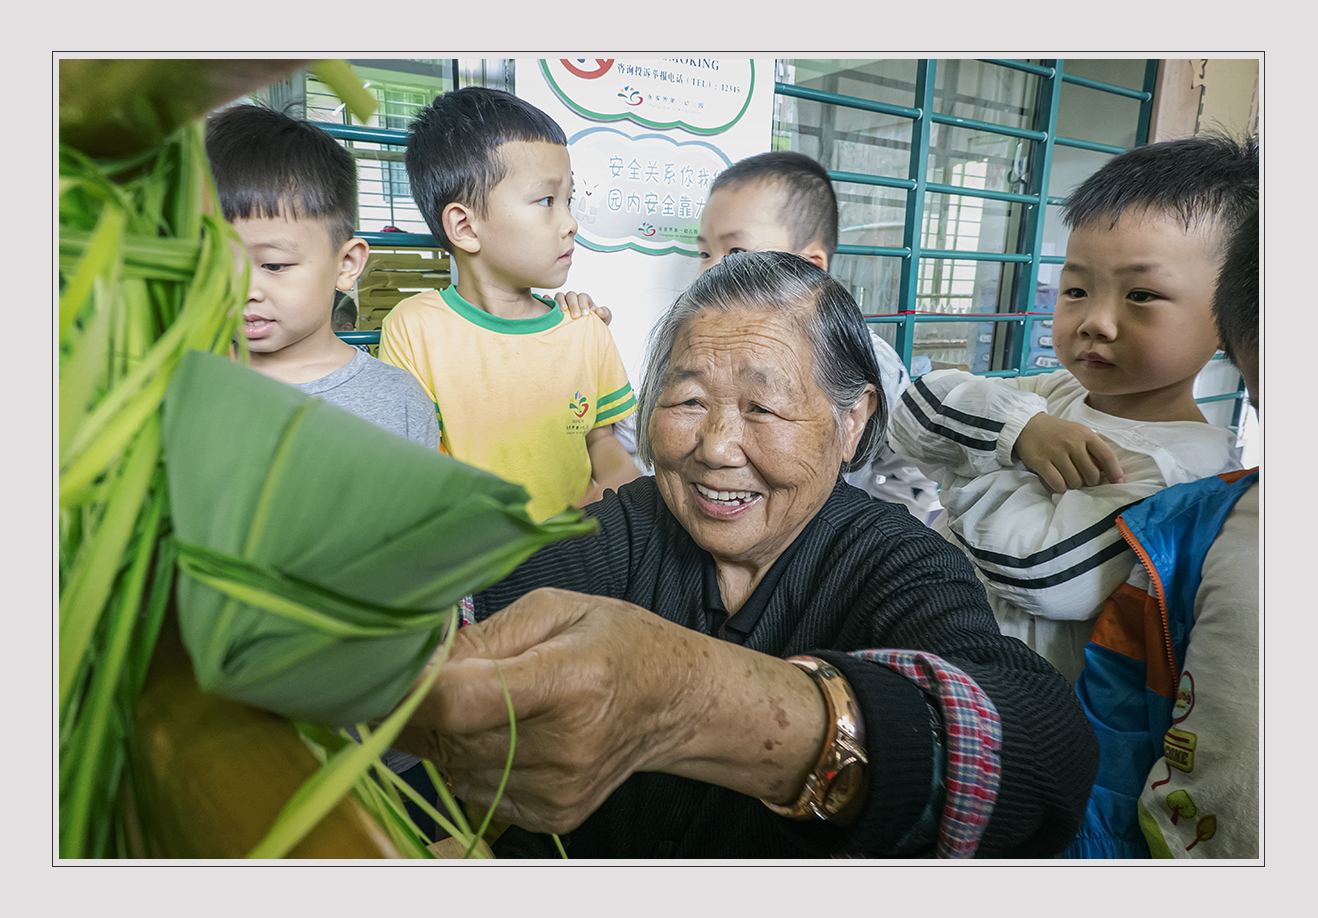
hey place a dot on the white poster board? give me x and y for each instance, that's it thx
(646, 137)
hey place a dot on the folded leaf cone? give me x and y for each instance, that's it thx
(322, 554)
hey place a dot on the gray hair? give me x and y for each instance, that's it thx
(829, 318)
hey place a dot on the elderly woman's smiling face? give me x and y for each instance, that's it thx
(746, 446)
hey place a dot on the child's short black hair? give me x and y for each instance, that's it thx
(1236, 300)
(263, 160)
(1208, 177)
(810, 206)
(452, 148)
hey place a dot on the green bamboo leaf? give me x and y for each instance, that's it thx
(111, 175)
(86, 367)
(122, 285)
(338, 76)
(83, 600)
(151, 192)
(99, 260)
(280, 466)
(153, 613)
(105, 422)
(189, 189)
(77, 477)
(251, 463)
(300, 601)
(451, 805)
(212, 306)
(224, 292)
(85, 189)
(327, 786)
(208, 310)
(92, 771)
(450, 826)
(457, 827)
(320, 735)
(377, 791)
(147, 257)
(391, 816)
(104, 799)
(138, 336)
(512, 748)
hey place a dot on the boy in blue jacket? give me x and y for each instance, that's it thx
(1171, 670)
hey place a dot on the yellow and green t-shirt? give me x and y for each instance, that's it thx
(514, 396)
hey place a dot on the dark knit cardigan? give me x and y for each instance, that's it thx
(865, 574)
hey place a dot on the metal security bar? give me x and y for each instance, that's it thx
(382, 240)
(916, 186)
(1015, 324)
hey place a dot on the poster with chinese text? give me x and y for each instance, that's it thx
(646, 137)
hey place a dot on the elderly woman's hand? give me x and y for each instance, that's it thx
(602, 689)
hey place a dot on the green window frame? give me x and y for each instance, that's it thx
(402, 86)
(1016, 328)
(1013, 314)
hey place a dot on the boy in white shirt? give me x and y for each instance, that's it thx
(1034, 470)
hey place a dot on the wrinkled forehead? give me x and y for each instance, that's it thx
(753, 347)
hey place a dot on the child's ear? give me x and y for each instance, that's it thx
(352, 262)
(815, 254)
(458, 222)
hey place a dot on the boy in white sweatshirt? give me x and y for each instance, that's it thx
(1034, 470)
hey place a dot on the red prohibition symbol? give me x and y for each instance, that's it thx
(602, 67)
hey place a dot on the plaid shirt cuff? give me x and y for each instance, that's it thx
(972, 742)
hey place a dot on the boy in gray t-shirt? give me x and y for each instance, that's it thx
(387, 396)
(290, 191)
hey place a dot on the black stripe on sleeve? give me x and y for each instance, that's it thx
(1052, 551)
(945, 432)
(953, 414)
(1070, 573)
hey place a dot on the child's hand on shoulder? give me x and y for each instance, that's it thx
(593, 493)
(1066, 455)
(577, 305)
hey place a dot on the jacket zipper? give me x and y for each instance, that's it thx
(1143, 555)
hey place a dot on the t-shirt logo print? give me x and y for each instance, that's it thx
(577, 409)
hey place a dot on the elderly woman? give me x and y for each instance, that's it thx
(753, 658)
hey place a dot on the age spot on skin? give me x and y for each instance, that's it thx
(781, 717)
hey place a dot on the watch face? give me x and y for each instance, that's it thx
(843, 788)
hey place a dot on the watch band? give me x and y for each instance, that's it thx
(838, 779)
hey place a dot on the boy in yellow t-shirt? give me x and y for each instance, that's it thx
(521, 389)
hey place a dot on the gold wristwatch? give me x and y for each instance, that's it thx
(836, 785)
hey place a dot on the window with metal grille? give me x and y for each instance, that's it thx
(397, 109)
